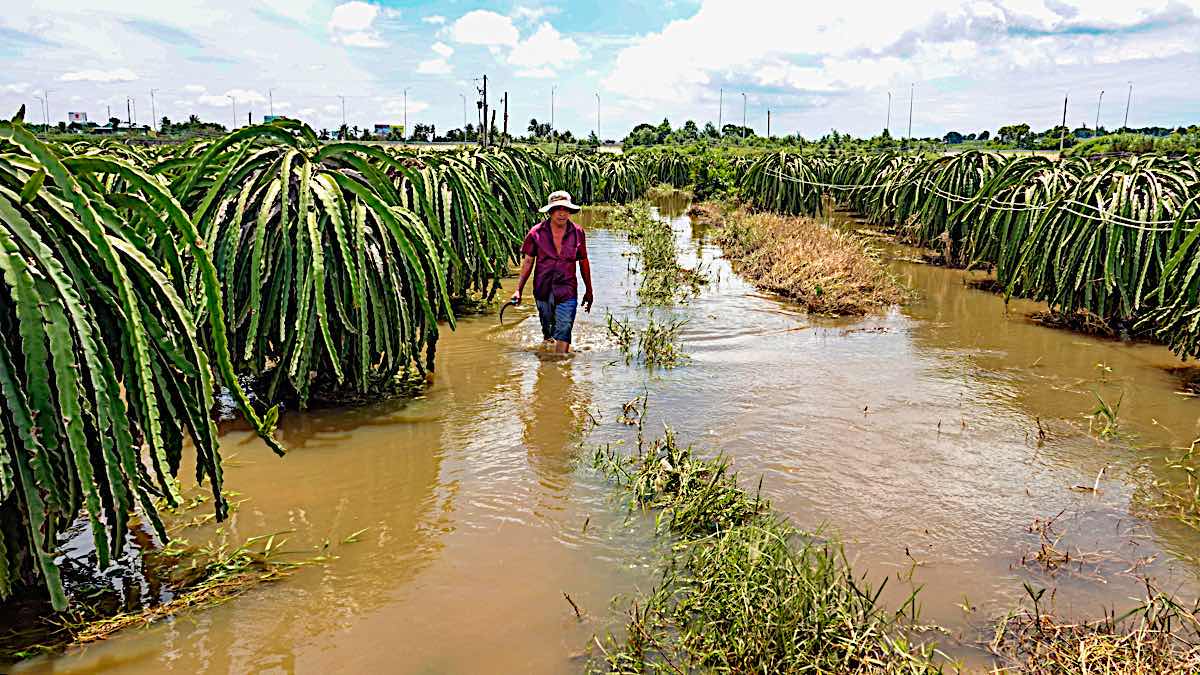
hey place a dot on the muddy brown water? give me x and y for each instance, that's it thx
(913, 435)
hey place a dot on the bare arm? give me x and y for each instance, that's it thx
(585, 268)
(526, 268)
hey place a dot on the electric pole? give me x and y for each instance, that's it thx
(42, 104)
(128, 113)
(46, 101)
(233, 101)
(483, 134)
(343, 110)
(721, 111)
(552, 88)
(406, 110)
(598, 118)
(153, 112)
(743, 115)
(271, 102)
(1062, 136)
(888, 126)
(1127, 101)
(464, 100)
(912, 91)
(504, 135)
(768, 123)
(1096, 129)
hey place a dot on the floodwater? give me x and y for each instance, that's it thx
(913, 435)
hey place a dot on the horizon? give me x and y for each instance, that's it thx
(972, 66)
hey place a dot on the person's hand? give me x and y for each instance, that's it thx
(516, 298)
(587, 302)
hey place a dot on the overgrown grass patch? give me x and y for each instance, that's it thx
(663, 280)
(825, 270)
(745, 591)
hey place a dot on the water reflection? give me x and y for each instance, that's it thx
(552, 418)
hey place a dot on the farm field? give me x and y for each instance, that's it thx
(1004, 443)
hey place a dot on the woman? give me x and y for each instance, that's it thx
(556, 244)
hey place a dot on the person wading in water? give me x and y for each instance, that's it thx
(556, 244)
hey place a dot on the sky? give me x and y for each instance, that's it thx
(965, 66)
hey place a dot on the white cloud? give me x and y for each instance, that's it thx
(481, 27)
(14, 88)
(195, 88)
(242, 96)
(435, 19)
(545, 49)
(857, 45)
(352, 24)
(532, 14)
(434, 67)
(536, 73)
(306, 112)
(443, 50)
(114, 75)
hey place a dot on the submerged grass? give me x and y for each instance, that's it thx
(1158, 636)
(181, 577)
(656, 345)
(826, 270)
(663, 280)
(746, 591)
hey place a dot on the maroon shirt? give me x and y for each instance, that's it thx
(554, 271)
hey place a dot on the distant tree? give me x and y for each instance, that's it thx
(1013, 133)
(663, 131)
(394, 134)
(566, 137)
(984, 135)
(710, 130)
(366, 135)
(324, 135)
(114, 122)
(593, 139)
(469, 133)
(62, 127)
(164, 125)
(970, 136)
(952, 138)
(455, 135)
(342, 132)
(735, 131)
(423, 132)
(688, 133)
(193, 119)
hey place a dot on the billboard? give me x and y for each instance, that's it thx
(79, 117)
(385, 129)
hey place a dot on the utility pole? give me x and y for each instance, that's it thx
(46, 102)
(42, 104)
(888, 126)
(1096, 129)
(1062, 136)
(912, 91)
(721, 111)
(249, 118)
(271, 102)
(552, 88)
(1127, 101)
(464, 127)
(743, 115)
(768, 122)
(406, 110)
(135, 110)
(504, 136)
(483, 133)
(128, 113)
(343, 110)
(153, 112)
(598, 118)
(234, 102)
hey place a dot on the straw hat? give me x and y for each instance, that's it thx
(559, 198)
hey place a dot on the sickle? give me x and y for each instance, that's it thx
(510, 303)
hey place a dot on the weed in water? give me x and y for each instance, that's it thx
(1103, 420)
(746, 591)
(656, 345)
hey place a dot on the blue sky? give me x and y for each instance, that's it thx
(816, 66)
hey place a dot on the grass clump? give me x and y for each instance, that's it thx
(745, 591)
(1159, 636)
(823, 269)
(656, 345)
(663, 279)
